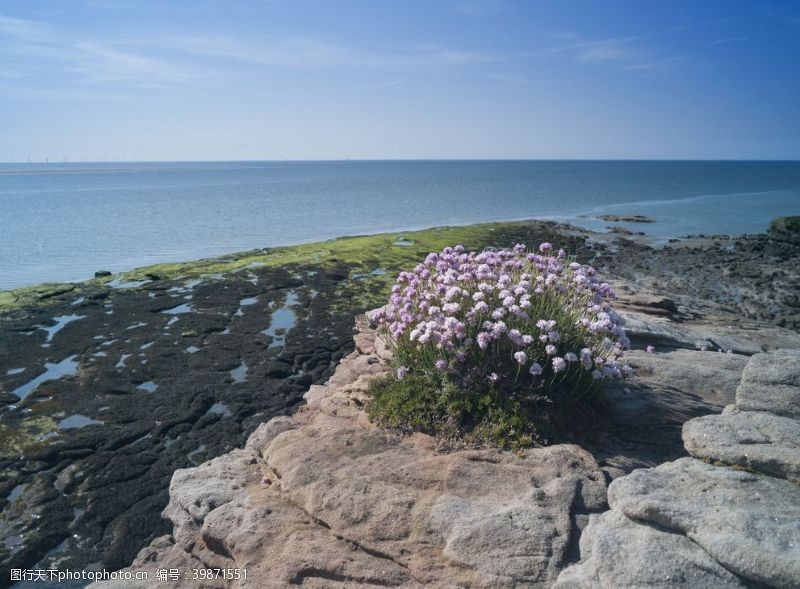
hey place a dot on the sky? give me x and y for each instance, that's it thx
(102, 80)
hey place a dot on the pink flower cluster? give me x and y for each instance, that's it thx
(507, 312)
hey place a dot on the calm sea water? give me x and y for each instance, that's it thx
(62, 222)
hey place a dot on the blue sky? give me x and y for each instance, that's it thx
(318, 79)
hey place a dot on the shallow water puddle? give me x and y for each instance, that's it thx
(248, 301)
(147, 345)
(119, 283)
(13, 371)
(178, 309)
(77, 421)
(200, 449)
(192, 349)
(121, 363)
(219, 409)
(239, 374)
(78, 301)
(375, 272)
(186, 286)
(136, 325)
(61, 322)
(67, 367)
(147, 436)
(15, 493)
(12, 542)
(282, 321)
(148, 386)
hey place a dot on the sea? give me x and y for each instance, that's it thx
(62, 222)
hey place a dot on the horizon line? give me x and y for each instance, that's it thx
(387, 160)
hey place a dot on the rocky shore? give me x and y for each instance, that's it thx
(129, 380)
(326, 499)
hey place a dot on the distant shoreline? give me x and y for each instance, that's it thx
(189, 266)
(62, 222)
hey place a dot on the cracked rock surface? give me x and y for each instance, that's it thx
(734, 515)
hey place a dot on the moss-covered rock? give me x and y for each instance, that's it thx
(786, 229)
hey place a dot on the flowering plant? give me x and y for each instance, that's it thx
(512, 324)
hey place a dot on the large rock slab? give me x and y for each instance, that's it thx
(748, 523)
(617, 553)
(771, 382)
(644, 328)
(751, 439)
(648, 409)
(477, 518)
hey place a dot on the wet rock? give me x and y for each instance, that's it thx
(8, 398)
(627, 218)
(102, 273)
(751, 439)
(748, 523)
(67, 478)
(617, 553)
(117, 474)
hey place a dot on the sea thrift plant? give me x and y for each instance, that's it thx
(495, 332)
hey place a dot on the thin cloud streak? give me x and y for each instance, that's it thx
(305, 53)
(138, 62)
(20, 28)
(624, 53)
(380, 85)
(593, 51)
(728, 40)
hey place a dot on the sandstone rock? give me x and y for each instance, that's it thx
(748, 523)
(326, 499)
(750, 439)
(488, 517)
(771, 382)
(617, 553)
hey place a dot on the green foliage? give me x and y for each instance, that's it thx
(481, 415)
